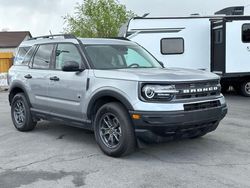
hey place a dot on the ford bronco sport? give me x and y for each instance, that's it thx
(113, 87)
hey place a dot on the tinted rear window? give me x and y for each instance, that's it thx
(19, 57)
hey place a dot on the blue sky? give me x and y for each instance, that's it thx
(41, 16)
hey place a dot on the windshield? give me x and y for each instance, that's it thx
(120, 57)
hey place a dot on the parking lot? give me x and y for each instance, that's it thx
(55, 155)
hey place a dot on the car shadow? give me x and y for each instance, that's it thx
(171, 151)
(64, 132)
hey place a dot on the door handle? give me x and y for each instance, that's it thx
(28, 76)
(54, 78)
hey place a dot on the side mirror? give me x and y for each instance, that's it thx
(71, 66)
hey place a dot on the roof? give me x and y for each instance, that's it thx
(85, 41)
(12, 39)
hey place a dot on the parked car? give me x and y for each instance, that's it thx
(113, 87)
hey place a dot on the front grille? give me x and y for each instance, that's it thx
(198, 89)
(189, 96)
(203, 105)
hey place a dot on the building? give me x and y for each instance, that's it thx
(9, 41)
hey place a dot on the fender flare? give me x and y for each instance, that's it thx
(18, 85)
(108, 93)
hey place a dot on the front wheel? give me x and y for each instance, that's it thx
(20, 113)
(113, 130)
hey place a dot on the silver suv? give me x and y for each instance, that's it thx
(113, 87)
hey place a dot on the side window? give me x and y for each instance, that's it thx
(246, 33)
(28, 56)
(66, 52)
(172, 46)
(19, 57)
(42, 57)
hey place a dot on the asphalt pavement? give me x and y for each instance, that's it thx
(58, 156)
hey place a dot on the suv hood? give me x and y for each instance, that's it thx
(156, 74)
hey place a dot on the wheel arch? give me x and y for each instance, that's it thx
(17, 88)
(104, 97)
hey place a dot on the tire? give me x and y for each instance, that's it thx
(245, 88)
(113, 130)
(20, 113)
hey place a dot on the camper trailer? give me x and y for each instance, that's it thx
(219, 43)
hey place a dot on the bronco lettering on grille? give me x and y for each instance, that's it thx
(199, 90)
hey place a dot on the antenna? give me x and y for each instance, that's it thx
(51, 34)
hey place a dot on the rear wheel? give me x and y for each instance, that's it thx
(113, 130)
(20, 113)
(245, 88)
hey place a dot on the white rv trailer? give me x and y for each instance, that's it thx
(220, 44)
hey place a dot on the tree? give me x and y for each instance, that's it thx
(97, 18)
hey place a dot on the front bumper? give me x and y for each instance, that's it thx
(160, 126)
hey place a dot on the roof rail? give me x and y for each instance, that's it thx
(66, 36)
(119, 38)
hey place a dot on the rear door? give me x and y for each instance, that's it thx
(218, 36)
(38, 77)
(67, 89)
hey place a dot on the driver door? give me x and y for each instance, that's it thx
(67, 89)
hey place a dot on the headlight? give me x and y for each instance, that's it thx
(158, 92)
